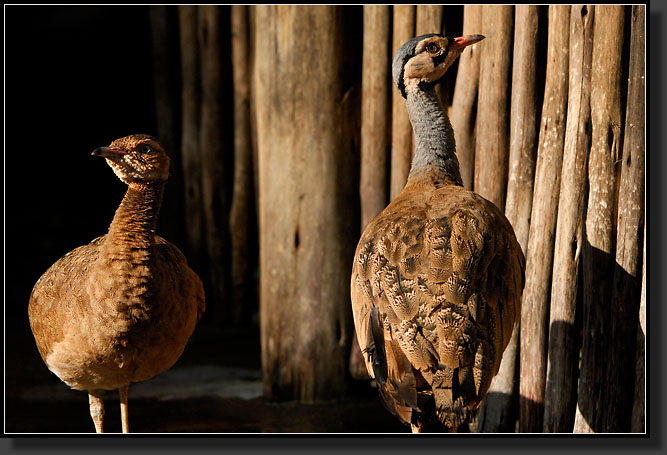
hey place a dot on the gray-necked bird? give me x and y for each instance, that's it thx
(438, 275)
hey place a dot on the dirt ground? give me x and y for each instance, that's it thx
(211, 389)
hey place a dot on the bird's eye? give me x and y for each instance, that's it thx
(431, 48)
(145, 148)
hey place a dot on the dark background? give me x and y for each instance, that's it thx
(76, 78)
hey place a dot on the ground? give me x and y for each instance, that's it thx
(211, 389)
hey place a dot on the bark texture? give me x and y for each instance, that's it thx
(304, 197)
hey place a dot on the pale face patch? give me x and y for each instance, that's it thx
(431, 61)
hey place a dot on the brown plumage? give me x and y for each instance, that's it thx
(121, 308)
(438, 275)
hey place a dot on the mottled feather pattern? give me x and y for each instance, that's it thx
(441, 266)
(87, 344)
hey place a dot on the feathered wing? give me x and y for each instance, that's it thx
(436, 291)
(185, 281)
(53, 298)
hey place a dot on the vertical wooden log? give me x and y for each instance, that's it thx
(401, 128)
(500, 409)
(561, 381)
(492, 143)
(573, 182)
(375, 87)
(598, 250)
(306, 241)
(524, 124)
(639, 403)
(375, 92)
(464, 102)
(429, 20)
(242, 205)
(191, 161)
(213, 189)
(163, 21)
(253, 116)
(166, 104)
(539, 255)
(626, 287)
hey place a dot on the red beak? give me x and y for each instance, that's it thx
(463, 41)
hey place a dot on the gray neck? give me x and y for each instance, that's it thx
(435, 147)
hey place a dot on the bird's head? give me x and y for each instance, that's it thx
(420, 63)
(136, 159)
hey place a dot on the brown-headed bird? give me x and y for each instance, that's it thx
(121, 308)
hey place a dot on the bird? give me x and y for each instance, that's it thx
(121, 308)
(437, 275)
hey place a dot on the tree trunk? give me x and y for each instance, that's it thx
(500, 409)
(213, 177)
(464, 103)
(539, 255)
(598, 250)
(492, 144)
(191, 152)
(242, 207)
(626, 288)
(401, 128)
(639, 403)
(306, 237)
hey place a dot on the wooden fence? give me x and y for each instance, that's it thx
(292, 137)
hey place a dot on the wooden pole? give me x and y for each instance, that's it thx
(598, 250)
(306, 239)
(375, 86)
(573, 183)
(626, 287)
(213, 177)
(492, 143)
(464, 102)
(539, 256)
(375, 94)
(167, 111)
(242, 205)
(500, 409)
(191, 152)
(401, 128)
(572, 189)
(524, 124)
(429, 19)
(639, 403)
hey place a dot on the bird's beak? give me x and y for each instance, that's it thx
(108, 152)
(463, 41)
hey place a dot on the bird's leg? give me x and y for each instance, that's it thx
(125, 421)
(96, 409)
